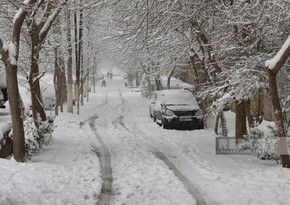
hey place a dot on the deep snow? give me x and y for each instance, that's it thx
(68, 171)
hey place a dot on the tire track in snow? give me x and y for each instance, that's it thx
(160, 155)
(120, 118)
(187, 184)
(104, 158)
(106, 169)
(118, 122)
(105, 161)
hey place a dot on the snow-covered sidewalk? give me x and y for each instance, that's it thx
(67, 172)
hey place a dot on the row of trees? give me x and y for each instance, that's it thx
(39, 37)
(224, 43)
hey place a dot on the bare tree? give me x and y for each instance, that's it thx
(59, 80)
(69, 63)
(241, 125)
(9, 55)
(39, 29)
(274, 66)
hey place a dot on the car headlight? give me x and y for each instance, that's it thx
(169, 112)
(198, 113)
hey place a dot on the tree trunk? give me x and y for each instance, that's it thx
(241, 126)
(137, 79)
(69, 66)
(251, 121)
(158, 83)
(216, 124)
(85, 90)
(258, 113)
(88, 88)
(38, 33)
(55, 81)
(206, 49)
(279, 60)
(80, 55)
(15, 110)
(196, 77)
(15, 104)
(169, 78)
(94, 78)
(224, 125)
(61, 82)
(281, 133)
(36, 98)
(220, 122)
(77, 63)
(10, 61)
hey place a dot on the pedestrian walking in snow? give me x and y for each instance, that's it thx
(103, 83)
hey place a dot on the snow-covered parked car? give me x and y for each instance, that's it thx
(48, 103)
(177, 108)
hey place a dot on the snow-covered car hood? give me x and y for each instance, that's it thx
(182, 107)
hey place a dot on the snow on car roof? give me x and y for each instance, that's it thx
(177, 96)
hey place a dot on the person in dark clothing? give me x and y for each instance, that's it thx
(3, 97)
(5, 94)
(103, 83)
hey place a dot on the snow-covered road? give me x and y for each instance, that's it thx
(156, 166)
(114, 140)
(141, 171)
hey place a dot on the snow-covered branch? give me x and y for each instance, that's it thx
(280, 58)
(49, 21)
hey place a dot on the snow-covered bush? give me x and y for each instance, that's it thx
(261, 145)
(45, 131)
(31, 138)
(35, 137)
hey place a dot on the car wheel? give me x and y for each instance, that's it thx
(201, 125)
(165, 124)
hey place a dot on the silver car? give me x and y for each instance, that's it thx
(177, 108)
(48, 103)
